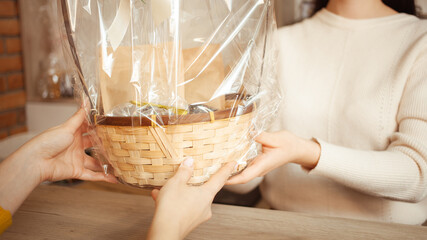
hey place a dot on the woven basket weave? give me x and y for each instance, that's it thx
(146, 156)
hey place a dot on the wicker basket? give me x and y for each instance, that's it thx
(145, 155)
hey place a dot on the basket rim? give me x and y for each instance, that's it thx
(164, 120)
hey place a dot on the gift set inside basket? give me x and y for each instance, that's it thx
(170, 79)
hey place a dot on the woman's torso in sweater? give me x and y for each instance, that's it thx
(342, 81)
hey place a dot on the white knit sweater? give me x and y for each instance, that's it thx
(360, 88)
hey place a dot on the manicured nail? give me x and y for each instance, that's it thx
(188, 162)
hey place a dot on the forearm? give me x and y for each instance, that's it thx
(163, 227)
(391, 174)
(19, 175)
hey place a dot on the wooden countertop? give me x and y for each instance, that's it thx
(53, 212)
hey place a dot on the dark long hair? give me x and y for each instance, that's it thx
(401, 6)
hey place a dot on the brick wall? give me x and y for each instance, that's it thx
(12, 89)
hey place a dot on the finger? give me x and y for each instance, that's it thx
(252, 171)
(85, 127)
(89, 175)
(268, 139)
(184, 171)
(87, 142)
(75, 121)
(110, 178)
(92, 164)
(155, 193)
(217, 181)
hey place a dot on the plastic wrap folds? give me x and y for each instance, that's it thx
(168, 79)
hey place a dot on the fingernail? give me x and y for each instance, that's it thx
(188, 162)
(236, 166)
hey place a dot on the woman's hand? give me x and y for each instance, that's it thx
(278, 149)
(180, 207)
(54, 155)
(61, 152)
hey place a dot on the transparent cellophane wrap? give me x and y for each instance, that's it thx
(164, 80)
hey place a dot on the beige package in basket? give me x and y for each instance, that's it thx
(120, 84)
(205, 74)
(129, 74)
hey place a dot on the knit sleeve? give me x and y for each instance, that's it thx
(5, 220)
(399, 172)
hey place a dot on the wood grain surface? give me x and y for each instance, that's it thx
(53, 212)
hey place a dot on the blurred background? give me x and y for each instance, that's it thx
(36, 83)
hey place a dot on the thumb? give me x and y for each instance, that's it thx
(155, 193)
(218, 180)
(184, 171)
(75, 121)
(267, 139)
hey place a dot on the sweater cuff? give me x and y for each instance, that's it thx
(5, 220)
(328, 165)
